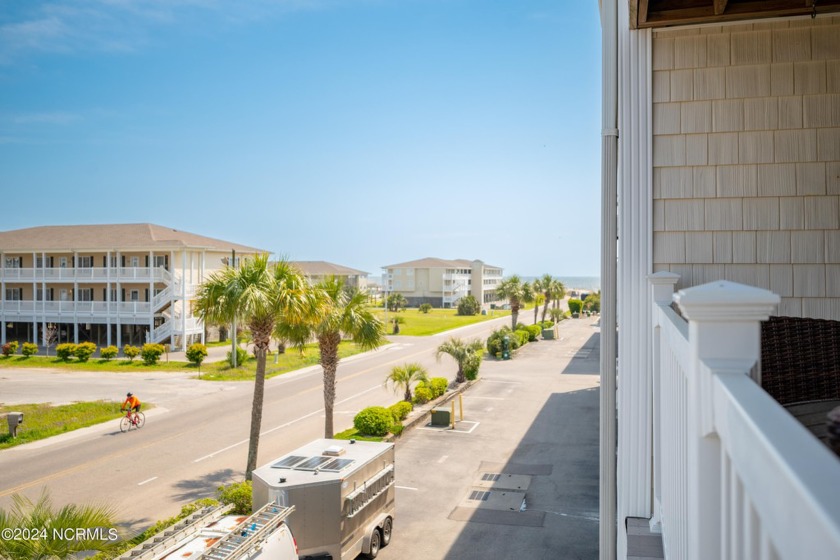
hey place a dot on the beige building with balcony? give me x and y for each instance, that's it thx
(441, 282)
(316, 271)
(108, 284)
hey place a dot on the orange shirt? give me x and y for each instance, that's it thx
(131, 402)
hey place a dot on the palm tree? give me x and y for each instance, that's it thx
(460, 352)
(41, 515)
(558, 292)
(511, 289)
(529, 294)
(334, 313)
(260, 296)
(402, 377)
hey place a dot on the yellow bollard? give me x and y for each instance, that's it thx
(461, 404)
(453, 415)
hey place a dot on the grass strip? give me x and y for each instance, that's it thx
(44, 420)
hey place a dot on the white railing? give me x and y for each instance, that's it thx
(190, 326)
(82, 309)
(92, 274)
(735, 475)
(162, 298)
(162, 332)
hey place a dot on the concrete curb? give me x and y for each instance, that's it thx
(428, 407)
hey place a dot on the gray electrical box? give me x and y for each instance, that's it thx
(15, 419)
(441, 417)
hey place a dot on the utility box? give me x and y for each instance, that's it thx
(441, 417)
(343, 494)
(548, 334)
(15, 419)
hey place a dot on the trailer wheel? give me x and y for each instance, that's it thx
(375, 542)
(387, 527)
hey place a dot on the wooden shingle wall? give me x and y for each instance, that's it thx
(746, 156)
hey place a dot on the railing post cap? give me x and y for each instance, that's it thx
(663, 278)
(726, 301)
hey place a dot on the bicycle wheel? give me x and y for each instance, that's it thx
(125, 424)
(141, 420)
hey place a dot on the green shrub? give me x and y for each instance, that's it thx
(522, 336)
(422, 394)
(239, 494)
(546, 324)
(14, 345)
(425, 307)
(151, 353)
(471, 366)
(575, 305)
(29, 349)
(400, 410)
(533, 331)
(241, 356)
(109, 352)
(373, 421)
(397, 429)
(65, 351)
(129, 352)
(84, 351)
(196, 353)
(438, 386)
(468, 305)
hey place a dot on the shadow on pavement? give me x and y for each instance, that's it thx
(586, 360)
(560, 451)
(206, 486)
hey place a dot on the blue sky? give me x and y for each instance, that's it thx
(362, 132)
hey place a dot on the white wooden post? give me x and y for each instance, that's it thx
(724, 326)
(662, 292)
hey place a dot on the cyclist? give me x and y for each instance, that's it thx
(132, 404)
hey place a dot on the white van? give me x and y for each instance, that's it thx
(212, 535)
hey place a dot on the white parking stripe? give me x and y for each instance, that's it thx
(147, 480)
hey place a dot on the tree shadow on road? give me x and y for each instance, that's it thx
(206, 486)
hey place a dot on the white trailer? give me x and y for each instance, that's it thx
(343, 494)
(211, 534)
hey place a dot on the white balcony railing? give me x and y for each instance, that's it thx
(735, 475)
(29, 309)
(92, 274)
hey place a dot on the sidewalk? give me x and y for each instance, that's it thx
(530, 432)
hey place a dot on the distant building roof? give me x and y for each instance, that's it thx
(433, 262)
(105, 237)
(324, 268)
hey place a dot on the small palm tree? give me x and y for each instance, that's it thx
(41, 515)
(460, 352)
(402, 377)
(512, 290)
(260, 296)
(337, 312)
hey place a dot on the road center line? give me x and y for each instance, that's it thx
(286, 425)
(147, 480)
(487, 398)
(405, 487)
(508, 382)
(442, 459)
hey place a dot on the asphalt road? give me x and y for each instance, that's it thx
(196, 438)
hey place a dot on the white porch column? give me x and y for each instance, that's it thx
(635, 258)
(200, 280)
(44, 294)
(609, 226)
(3, 298)
(75, 297)
(183, 345)
(118, 295)
(34, 298)
(151, 295)
(108, 296)
(724, 329)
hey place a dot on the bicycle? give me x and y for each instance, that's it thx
(132, 420)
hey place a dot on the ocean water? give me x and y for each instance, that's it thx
(587, 283)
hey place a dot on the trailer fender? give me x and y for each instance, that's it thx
(379, 520)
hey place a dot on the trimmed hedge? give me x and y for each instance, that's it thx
(438, 385)
(400, 410)
(65, 351)
(130, 352)
(373, 421)
(109, 352)
(151, 353)
(422, 394)
(84, 351)
(29, 349)
(196, 353)
(471, 366)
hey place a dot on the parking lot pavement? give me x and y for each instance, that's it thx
(518, 478)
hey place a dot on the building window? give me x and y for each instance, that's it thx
(159, 261)
(62, 262)
(410, 272)
(85, 294)
(396, 284)
(397, 271)
(13, 262)
(85, 262)
(40, 294)
(14, 294)
(135, 262)
(134, 295)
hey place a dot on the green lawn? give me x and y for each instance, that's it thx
(435, 321)
(216, 371)
(293, 359)
(41, 421)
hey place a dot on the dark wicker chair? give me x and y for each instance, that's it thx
(800, 359)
